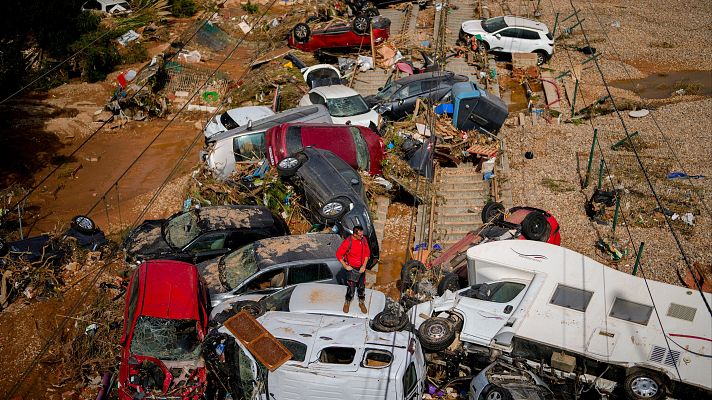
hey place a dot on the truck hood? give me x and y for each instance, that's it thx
(473, 27)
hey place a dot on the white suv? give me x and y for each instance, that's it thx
(510, 35)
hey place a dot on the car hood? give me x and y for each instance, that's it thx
(473, 27)
(146, 241)
(365, 119)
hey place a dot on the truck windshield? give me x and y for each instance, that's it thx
(166, 339)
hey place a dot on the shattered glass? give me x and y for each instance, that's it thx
(237, 266)
(181, 229)
(166, 339)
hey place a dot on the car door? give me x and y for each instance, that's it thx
(308, 272)
(434, 89)
(527, 41)
(206, 246)
(406, 98)
(504, 39)
(265, 282)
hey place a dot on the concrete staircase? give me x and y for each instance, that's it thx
(379, 212)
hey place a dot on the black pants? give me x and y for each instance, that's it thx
(352, 282)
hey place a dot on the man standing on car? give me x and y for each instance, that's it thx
(353, 255)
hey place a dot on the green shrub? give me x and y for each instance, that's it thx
(183, 8)
(134, 53)
(250, 8)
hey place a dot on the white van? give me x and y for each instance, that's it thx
(541, 302)
(334, 358)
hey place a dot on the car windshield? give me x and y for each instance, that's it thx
(493, 24)
(237, 266)
(347, 106)
(387, 91)
(278, 301)
(166, 339)
(182, 229)
(228, 122)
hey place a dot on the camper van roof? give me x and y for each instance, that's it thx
(297, 114)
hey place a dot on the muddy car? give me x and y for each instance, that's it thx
(235, 118)
(501, 380)
(45, 248)
(310, 37)
(269, 265)
(333, 192)
(202, 233)
(165, 322)
(359, 146)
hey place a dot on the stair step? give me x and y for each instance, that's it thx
(448, 222)
(460, 201)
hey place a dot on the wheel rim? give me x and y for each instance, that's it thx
(644, 386)
(540, 58)
(360, 24)
(300, 32)
(84, 223)
(288, 163)
(436, 331)
(332, 209)
(494, 396)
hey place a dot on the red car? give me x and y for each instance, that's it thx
(359, 146)
(165, 322)
(341, 35)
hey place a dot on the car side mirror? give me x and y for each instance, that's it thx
(249, 125)
(508, 309)
(498, 36)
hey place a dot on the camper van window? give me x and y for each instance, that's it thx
(569, 297)
(298, 349)
(629, 311)
(410, 380)
(377, 359)
(337, 355)
(499, 292)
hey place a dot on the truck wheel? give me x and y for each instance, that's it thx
(83, 224)
(644, 384)
(410, 272)
(536, 227)
(492, 392)
(436, 333)
(301, 33)
(361, 24)
(389, 321)
(492, 212)
(449, 282)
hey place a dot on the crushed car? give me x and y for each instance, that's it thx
(165, 322)
(235, 118)
(333, 192)
(268, 265)
(311, 37)
(359, 146)
(203, 233)
(345, 105)
(501, 380)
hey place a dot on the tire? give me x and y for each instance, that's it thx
(536, 227)
(541, 57)
(436, 334)
(333, 209)
(409, 271)
(492, 212)
(371, 10)
(287, 167)
(481, 44)
(389, 321)
(493, 392)
(644, 384)
(449, 282)
(83, 224)
(301, 32)
(361, 23)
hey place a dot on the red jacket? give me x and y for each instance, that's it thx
(357, 254)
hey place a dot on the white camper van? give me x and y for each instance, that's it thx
(542, 302)
(334, 357)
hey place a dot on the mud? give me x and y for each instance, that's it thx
(666, 84)
(394, 248)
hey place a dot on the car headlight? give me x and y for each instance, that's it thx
(332, 209)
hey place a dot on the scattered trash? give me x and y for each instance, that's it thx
(682, 175)
(244, 26)
(91, 329)
(127, 37)
(529, 155)
(383, 182)
(612, 248)
(679, 92)
(689, 219)
(193, 56)
(365, 63)
(616, 24)
(638, 113)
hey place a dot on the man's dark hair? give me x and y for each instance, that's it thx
(357, 228)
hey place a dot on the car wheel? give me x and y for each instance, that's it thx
(536, 227)
(449, 282)
(83, 224)
(334, 208)
(389, 321)
(361, 23)
(436, 333)
(541, 57)
(288, 166)
(492, 392)
(371, 10)
(644, 384)
(301, 32)
(481, 44)
(492, 212)
(410, 271)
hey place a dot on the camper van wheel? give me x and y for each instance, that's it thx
(449, 282)
(536, 227)
(493, 392)
(436, 333)
(644, 384)
(492, 212)
(252, 307)
(410, 271)
(389, 321)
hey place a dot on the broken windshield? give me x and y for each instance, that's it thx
(493, 24)
(278, 301)
(237, 266)
(347, 106)
(166, 339)
(182, 229)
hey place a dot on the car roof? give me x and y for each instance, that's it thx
(423, 76)
(525, 23)
(291, 115)
(169, 289)
(323, 298)
(282, 249)
(235, 217)
(334, 91)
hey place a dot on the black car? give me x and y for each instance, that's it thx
(397, 98)
(333, 192)
(202, 233)
(52, 249)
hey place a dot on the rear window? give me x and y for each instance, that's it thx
(570, 297)
(548, 35)
(410, 379)
(298, 349)
(308, 273)
(377, 359)
(337, 355)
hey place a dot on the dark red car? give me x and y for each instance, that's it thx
(341, 35)
(359, 146)
(165, 322)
